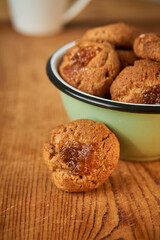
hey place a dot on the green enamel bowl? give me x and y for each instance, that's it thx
(137, 126)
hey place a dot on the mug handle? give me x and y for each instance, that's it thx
(72, 11)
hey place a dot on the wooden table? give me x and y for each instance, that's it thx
(126, 206)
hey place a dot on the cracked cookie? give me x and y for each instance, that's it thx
(81, 155)
(138, 84)
(121, 35)
(90, 67)
(147, 46)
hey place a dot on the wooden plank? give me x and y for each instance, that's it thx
(31, 207)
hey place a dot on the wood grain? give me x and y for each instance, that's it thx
(126, 207)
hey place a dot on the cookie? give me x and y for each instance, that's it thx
(127, 57)
(121, 35)
(81, 155)
(147, 46)
(90, 67)
(138, 84)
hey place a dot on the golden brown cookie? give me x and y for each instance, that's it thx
(90, 67)
(127, 57)
(138, 84)
(148, 46)
(119, 34)
(81, 155)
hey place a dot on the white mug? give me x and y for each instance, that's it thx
(41, 17)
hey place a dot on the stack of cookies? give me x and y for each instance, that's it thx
(116, 59)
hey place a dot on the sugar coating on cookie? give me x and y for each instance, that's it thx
(81, 155)
(121, 35)
(138, 84)
(147, 46)
(90, 67)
